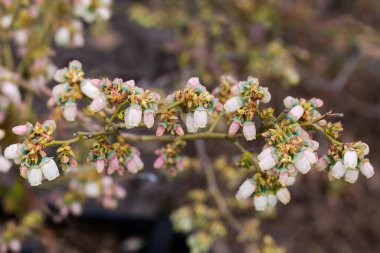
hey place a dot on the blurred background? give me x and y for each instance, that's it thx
(328, 49)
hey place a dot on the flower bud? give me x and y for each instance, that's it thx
(267, 161)
(12, 151)
(301, 163)
(133, 116)
(190, 123)
(149, 118)
(21, 129)
(99, 103)
(283, 195)
(249, 130)
(338, 169)
(296, 113)
(351, 176)
(15, 245)
(134, 164)
(34, 176)
(49, 168)
(271, 200)
(89, 89)
(5, 165)
(200, 117)
(76, 208)
(264, 153)
(194, 81)
(159, 162)
(267, 96)
(161, 129)
(50, 123)
(290, 102)
(350, 159)
(178, 129)
(11, 91)
(260, 202)
(290, 181)
(322, 163)
(283, 177)
(100, 163)
(113, 164)
(62, 36)
(233, 104)
(366, 169)
(234, 127)
(70, 111)
(310, 156)
(246, 189)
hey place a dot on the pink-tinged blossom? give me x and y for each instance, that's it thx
(99, 103)
(350, 159)
(246, 189)
(267, 160)
(316, 102)
(338, 169)
(34, 176)
(267, 96)
(100, 163)
(180, 163)
(311, 156)
(296, 113)
(260, 202)
(133, 116)
(113, 164)
(351, 175)
(134, 164)
(291, 180)
(70, 111)
(161, 129)
(249, 130)
(233, 104)
(59, 89)
(283, 195)
(159, 162)
(49, 168)
(12, 151)
(178, 129)
(149, 118)
(283, 177)
(366, 169)
(234, 127)
(322, 163)
(200, 117)
(290, 102)
(194, 81)
(21, 129)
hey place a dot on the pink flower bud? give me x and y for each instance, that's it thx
(234, 127)
(219, 106)
(70, 111)
(24, 171)
(194, 81)
(113, 164)
(50, 123)
(246, 189)
(134, 164)
(149, 118)
(178, 130)
(99, 103)
(366, 169)
(161, 129)
(283, 195)
(120, 192)
(100, 165)
(96, 82)
(76, 208)
(316, 102)
(21, 129)
(233, 104)
(249, 130)
(180, 164)
(322, 163)
(235, 89)
(159, 162)
(290, 102)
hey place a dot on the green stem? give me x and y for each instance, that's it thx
(332, 139)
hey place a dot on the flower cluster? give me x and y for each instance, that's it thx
(346, 161)
(197, 104)
(68, 91)
(119, 156)
(169, 158)
(30, 154)
(244, 105)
